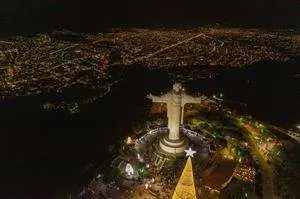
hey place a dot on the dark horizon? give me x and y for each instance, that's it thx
(33, 16)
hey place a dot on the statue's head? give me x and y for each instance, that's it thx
(177, 87)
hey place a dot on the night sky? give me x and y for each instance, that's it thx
(31, 16)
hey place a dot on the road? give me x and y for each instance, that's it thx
(168, 47)
(267, 171)
(293, 135)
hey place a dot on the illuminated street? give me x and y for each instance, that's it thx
(267, 175)
(44, 64)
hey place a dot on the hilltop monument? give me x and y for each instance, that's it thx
(175, 100)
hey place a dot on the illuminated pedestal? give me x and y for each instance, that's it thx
(175, 147)
(166, 149)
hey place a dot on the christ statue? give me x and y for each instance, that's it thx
(175, 100)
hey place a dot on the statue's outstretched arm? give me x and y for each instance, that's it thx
(164, 98)
(191, 99)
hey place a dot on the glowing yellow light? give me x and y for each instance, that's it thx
(185, 187)
(245, 173)
(129, 140)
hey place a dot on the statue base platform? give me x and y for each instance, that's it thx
(173, 147)
(165, 150)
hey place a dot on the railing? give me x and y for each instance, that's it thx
(151, 133)
(192, 134)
